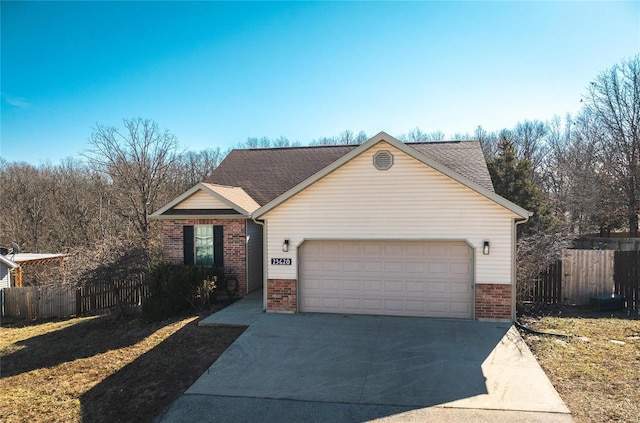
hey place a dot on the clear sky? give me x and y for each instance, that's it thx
(215, 73)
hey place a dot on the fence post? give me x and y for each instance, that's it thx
(78, 301)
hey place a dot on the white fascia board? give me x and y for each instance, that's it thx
(384, 137)
(8, 262)
(199, 187)
(200, 216)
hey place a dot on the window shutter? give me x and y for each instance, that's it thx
(187, 244)
(218, 247)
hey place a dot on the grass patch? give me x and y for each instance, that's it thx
(97, 369)
(596, 371)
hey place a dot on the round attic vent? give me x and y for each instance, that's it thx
(383, 160)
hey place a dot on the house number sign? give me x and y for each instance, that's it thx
(281, 261)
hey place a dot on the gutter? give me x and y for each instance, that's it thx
(514, 248)
(264, 262)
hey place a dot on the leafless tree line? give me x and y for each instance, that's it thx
(587, 166)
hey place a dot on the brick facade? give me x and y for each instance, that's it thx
(282, 296)
(493, 302)
(234, 241)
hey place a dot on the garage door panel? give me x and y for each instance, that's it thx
(351, 304)
(437, 268)
(372, 249)
(417, 307)
(351, 249)
(459, 308)
(438, 287)
(416, 287)
(372, 286)
(462, 251)
(393, 286)
(416, 268)
(396, 306)
(331, 284)
(410, 278)
(417, 249)
(330, 266)
(352, 285)
(460, 288)
(372, 266)
(352, 267)
(438, 307)
(393, 267)
(460, 269)
(437, 249)
(371, 304)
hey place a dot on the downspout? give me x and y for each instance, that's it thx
(514, 248)
(264, 262)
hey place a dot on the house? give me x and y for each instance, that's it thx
(383, 227)
(6, 266)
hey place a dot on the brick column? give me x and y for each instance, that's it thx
(282, 296)
(493, 302)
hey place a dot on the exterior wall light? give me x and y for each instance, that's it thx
(285, 246)
(485, 248)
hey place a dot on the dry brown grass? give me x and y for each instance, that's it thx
(96, 369)
(597, 371)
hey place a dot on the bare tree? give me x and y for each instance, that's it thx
(137, 161)
(613, 100)
(191, 168)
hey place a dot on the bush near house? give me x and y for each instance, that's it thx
(175, 289)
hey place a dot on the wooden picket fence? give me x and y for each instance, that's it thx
(47, 301)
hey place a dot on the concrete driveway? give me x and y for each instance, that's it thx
(321, 367)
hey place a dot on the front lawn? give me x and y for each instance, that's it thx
(596, 371)
(97, 369)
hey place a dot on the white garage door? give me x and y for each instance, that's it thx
(402, 278)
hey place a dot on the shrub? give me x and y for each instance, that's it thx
(175, 289)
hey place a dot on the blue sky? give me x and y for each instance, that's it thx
(215, 73)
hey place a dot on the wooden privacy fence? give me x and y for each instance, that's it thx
(33, 302)
(582, 274)
(41, 302)
(586, 273)
(627, 277)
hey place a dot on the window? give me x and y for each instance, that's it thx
(202, 245)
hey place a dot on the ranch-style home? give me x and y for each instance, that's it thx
(385, 227)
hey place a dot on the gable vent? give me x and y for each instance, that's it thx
(383, 160)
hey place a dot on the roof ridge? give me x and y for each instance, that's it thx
(441, 142)
(295, 147)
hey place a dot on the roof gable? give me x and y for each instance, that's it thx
(266, 173)
(407, 149)
(223, 200)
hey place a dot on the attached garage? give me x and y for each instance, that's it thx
(383, 227)
(404, 278)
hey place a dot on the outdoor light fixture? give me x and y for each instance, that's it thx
(285, 246)
(485, 248)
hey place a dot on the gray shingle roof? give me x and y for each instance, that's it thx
(266, 173)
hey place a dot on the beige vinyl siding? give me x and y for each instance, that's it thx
(254, 256)
(409, 201)
(201, 200)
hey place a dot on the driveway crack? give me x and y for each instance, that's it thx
(370, 358)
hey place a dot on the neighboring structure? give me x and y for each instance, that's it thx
(12, 265)
(380, 228)
(6, 266)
